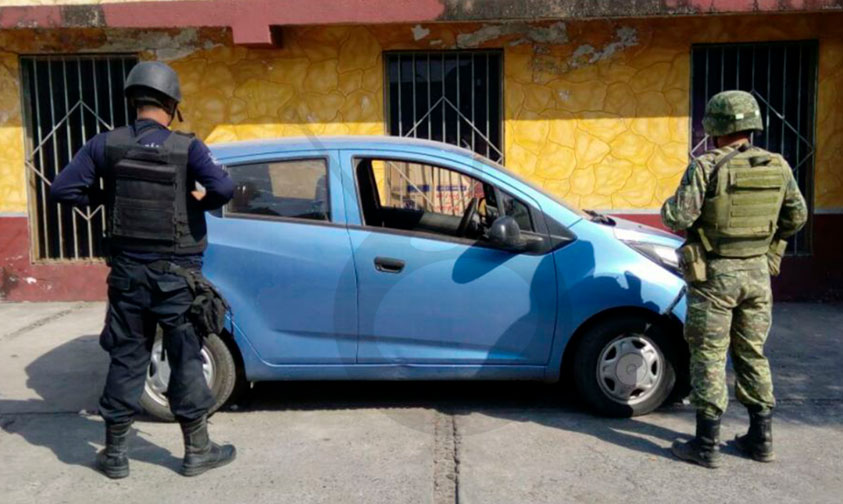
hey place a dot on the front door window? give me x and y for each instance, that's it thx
(423, 198)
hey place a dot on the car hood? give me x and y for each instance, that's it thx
(634, 231)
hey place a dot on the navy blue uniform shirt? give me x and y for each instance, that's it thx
(78, 182)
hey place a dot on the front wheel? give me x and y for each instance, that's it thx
(625, 367)
(217, 365)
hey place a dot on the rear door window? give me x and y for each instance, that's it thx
(295, 189)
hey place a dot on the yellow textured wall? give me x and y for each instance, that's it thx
(324, 81)
(603, 120)
(12, 184)
(596, 112)
(602, 129)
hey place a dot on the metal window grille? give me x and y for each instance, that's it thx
(67, 101)
(449, 96)
(783, 78)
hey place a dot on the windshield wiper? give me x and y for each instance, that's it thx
(601, 218)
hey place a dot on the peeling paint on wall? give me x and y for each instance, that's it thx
(160, 45)
(546, 61)
(587, 55)
(163, 43)
(525, 33)
(420, 32)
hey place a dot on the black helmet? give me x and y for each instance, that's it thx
(153, 82)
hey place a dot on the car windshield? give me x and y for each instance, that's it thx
(532, 185)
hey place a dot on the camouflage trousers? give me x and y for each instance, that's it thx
(730, 312)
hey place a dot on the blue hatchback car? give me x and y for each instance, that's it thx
(384, 258)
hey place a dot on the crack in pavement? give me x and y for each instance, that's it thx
(42, 322)
(446, 459)
(457, 445)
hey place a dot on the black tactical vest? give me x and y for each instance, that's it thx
(149, 207)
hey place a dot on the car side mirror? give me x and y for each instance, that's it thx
(506, 234)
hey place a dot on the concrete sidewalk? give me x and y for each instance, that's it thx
(408, 442)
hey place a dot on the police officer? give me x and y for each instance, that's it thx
(737, 204)
(155, 226)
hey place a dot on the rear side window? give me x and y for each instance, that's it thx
(293, 189)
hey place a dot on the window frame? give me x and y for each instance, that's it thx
(498, 76)
(536, 215)
(808, 191)
(226, 214)
(40, 248)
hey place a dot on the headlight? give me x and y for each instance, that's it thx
(661, 254)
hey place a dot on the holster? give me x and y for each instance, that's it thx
(774, 256)
(208, 309)
(207, 312)
(692, 262)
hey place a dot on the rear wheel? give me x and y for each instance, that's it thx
(625, 366)
(217, 365)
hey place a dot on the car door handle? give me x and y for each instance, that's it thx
(389, 265)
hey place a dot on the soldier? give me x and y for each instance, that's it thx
(738, 204)
(155, 237)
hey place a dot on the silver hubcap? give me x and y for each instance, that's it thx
(158, 375)
(630, 369)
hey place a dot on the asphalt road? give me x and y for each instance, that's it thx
(408, 442)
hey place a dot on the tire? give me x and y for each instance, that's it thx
(219, 362)
(625, 366)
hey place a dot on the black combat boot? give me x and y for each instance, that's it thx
(703, 449)
(113, 460)
(200, 453)
(757, 443)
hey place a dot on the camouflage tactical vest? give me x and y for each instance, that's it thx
(742, 206)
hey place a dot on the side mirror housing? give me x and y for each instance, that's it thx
(506, 234)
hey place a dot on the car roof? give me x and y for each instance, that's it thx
(324, 143)
(230, 151)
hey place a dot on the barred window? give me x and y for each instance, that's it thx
(67, 101)
(449, 96)
(783, 78)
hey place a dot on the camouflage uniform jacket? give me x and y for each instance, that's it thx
(682, 210)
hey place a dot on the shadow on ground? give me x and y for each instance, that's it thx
(66, 383)
(61, 389)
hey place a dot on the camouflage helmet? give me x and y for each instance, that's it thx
(728, 112)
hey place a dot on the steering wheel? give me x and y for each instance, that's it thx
(468, 216)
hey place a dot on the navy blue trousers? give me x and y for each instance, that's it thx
(139, 299)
